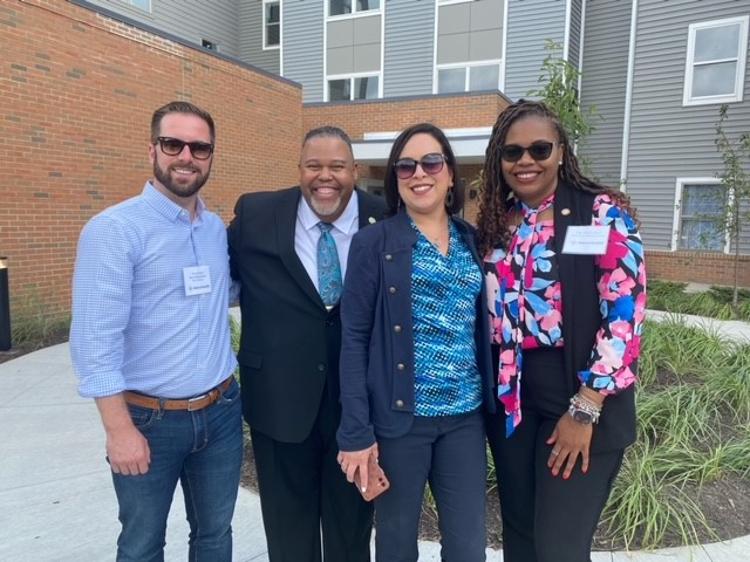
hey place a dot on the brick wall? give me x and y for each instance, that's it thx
(356, 118)
(77, 92)
(697, 267)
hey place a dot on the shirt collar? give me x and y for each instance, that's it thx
(345, 223)
(166, 207)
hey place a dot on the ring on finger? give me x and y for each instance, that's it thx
(554, 453)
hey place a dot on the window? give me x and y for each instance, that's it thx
(144, 5)
(715, 66)
(470, 77)
(347, 7)
(700, 209)
(209, 45)
(353, 88)
(271, 24)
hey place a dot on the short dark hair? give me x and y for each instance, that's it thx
(392, 198)
(180, 107)
(329, 131)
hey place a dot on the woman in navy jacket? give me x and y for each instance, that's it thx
(415, 358)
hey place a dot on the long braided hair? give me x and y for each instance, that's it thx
(497, 196)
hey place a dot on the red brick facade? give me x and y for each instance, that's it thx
(78, 90)
(698, 267)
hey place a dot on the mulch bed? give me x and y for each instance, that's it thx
(726, 504)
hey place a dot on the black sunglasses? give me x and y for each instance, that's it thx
(172, 147)
(431, 164)
(539, 150)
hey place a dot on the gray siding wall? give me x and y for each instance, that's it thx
(250, 25)
(353, 45)
(530, 22)
(302, 44)
(574, 42)
(470, 31)
(191, 20)
(605, 67)
(668, 140)
(408, 53)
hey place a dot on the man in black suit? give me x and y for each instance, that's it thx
(289, 350)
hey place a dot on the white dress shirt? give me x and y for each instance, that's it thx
(307, 234)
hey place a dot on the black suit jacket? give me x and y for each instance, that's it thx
(290, 343)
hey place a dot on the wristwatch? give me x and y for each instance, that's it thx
(581, 416)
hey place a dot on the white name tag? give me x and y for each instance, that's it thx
(587, 240)
(197, 280)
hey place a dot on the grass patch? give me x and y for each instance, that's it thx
(714, 303)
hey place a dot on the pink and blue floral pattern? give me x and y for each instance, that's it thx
(526, 309)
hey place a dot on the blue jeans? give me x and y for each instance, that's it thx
(203, 450)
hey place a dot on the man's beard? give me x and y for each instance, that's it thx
(179, 189)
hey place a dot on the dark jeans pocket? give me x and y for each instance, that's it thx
(142, 417)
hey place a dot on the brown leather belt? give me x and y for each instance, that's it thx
(189, 404)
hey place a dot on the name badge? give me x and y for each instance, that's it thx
(586, 240)
(197, 280)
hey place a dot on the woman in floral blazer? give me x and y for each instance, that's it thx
(566, 292)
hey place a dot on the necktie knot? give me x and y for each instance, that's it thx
(329, 268)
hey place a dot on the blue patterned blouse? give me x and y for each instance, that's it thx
(444, 292)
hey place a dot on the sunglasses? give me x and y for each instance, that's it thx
(172, 147)
(431, 164)
(539, 150)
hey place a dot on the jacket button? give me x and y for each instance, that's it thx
(401, 366)
(391, 290)
(399, 403)
(397, 328)
(321, 367)
(388, 257)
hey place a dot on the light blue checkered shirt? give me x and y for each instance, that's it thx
(133, 326)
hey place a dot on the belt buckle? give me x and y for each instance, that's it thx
(193, 400)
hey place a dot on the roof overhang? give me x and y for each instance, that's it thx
(469, 145)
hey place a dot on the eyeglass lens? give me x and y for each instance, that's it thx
(539, 150)
(431, 164)
(172, 147)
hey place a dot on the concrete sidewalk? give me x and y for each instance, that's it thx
(57, 498)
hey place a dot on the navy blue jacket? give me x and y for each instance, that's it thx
(377, 348)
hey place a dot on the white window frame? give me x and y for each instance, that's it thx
(466, 66)
(354, 13)
(736, 96)
(680, 184)
(266, 46)
(351, 77)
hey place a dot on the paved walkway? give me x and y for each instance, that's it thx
(57, 498)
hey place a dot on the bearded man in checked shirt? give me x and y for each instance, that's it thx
(150, 343)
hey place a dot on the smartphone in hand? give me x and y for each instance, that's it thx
(377, 483)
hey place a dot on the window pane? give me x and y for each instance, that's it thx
(366, 88)
(714, 79)
(716, 43)
(701, 235)
(144, 5)
(484, 77)
(273, 35)
(703, 201)
(367, 5)
(451, 80)
(339, 7)
(338, 90)
(273, 13)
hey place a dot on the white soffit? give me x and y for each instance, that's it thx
(469, 145)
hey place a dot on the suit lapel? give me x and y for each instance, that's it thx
(367, 211)
(286, 222)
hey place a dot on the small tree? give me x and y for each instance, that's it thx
(735, 153)
(559, 90)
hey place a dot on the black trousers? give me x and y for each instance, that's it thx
(546, 518)
(304, 494)
(450, 453)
